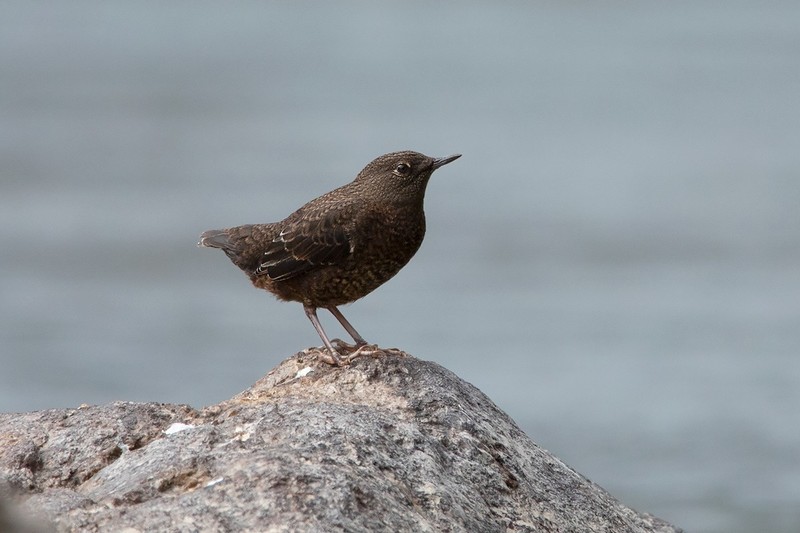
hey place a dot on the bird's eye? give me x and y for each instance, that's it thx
(402, 169)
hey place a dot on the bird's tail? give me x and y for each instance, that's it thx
(215, 238)
(232, 242)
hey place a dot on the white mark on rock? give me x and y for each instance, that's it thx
(177, 427)
(304, 372)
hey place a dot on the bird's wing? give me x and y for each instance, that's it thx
(308, 238)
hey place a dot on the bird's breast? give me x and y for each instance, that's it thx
(394, 235)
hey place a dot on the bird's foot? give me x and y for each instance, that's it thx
(345, 347)
(344, 352)
(332, 358)
(354, 350)
(325, 355)
(373, 350)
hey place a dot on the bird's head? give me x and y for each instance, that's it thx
(400, 175)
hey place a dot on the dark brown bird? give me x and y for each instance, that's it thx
(341, 246)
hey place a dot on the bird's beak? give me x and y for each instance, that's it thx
(442, 161)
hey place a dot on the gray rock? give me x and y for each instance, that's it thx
(386, 444)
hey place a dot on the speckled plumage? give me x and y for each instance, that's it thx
(342, 245)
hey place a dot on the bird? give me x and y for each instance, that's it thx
(341, 246)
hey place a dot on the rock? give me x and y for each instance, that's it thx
(390, 443)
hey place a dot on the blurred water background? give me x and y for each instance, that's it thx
(614, 260)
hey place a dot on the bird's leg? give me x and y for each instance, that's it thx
(361, 347)
(349, 327)
(332, 358)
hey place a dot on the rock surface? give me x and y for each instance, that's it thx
(386, 444)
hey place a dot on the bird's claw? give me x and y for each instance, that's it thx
(345, 353)
(332, 358)
(344, 347)
(373, 350)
